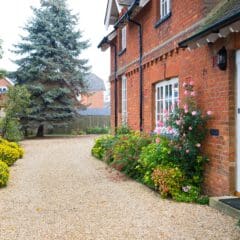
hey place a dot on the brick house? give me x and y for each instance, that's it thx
(94, 96)
(155, 46)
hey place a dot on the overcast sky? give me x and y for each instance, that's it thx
(15, 13)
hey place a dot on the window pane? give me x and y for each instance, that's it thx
(170, 91)
(166, 91)
(176, 90)
(161, 93)
(166, 105)
(161, 107)
(158, 93)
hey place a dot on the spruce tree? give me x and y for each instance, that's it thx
(50, 65)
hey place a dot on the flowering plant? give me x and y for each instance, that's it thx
(186, 128)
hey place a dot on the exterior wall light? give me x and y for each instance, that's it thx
(222, 59)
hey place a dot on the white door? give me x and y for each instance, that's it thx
(238, 118)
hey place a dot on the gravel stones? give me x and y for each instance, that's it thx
(58, 191)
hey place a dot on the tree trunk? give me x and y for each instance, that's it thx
(40, 131)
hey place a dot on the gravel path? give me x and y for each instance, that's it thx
(58, 191)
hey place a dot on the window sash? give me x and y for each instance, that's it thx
(166, 98)
(164, 8)
(124, 37)
(124, 99)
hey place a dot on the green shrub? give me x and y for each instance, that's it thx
(8, 155)
(12, 129)
(151, 156)
(127, 150)
(123, 130)
(103, 147)
(4, 174)
(97, 130)
(168, 180)
(187, 193)
(13, 145)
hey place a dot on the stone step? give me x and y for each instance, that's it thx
(215, 203)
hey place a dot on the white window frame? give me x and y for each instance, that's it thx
(166, 98)
(165, 8)
(124, 38)
(124, 100)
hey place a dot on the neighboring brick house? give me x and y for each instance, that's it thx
(94, 97)
(156, 45)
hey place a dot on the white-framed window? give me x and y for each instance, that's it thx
(124, 99)
(166, 98)
(124, 38)
(165, 8)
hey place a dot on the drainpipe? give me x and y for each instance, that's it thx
(140, 39)
(115, 87)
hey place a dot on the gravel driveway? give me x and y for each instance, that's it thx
(58, 191)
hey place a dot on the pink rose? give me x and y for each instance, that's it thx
(198, 145)
(194, 113)
(190, 128)
(157, 140)
(184, 84)
(157, 130)
(186, 93)
(186, 110)
(178, 122)
(160, 124)
(187, 151)
(169, 128)
(209, 113)
(185, 106)
(191, 83)
(193, 94)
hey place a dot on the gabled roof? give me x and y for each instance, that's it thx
(112, 13)
(95, 83)
(104, 44)
(114, 7)
(226, 14)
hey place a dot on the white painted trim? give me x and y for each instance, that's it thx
(238, 118)
(124, 100)
(144, 2)
(10, 81)
(109, 10)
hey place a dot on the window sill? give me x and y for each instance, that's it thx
(162, 20)
(122, 52)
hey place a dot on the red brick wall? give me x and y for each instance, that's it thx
(94, 100)
(215, 88)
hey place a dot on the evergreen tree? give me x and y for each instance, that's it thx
(50, 65)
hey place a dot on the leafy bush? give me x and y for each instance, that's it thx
(123, 130)
(12, 129)
(4, 174)
(127, 150)
(10, 152)
(168, 180)
(103, 148)
(17, 106)
(8, 155)
(97, 130)
(151, 156)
